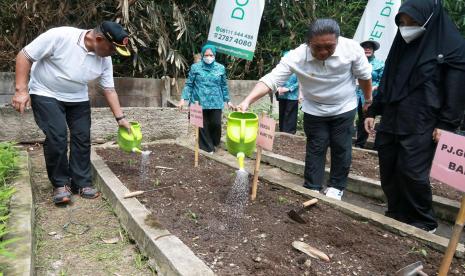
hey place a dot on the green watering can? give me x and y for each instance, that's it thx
(130, 142)
(241, 133)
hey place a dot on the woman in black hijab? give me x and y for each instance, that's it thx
(422, 92)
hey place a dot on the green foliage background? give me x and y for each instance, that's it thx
(166, 34)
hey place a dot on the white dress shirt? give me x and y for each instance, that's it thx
(328, 87)
(63, 66)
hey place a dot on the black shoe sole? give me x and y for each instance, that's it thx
(64, 200)
(90, 196)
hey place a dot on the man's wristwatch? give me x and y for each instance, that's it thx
(120, 118)
(368, 101)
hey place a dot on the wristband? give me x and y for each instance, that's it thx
(120, 118)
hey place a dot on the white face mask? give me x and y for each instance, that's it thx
(208, 60)
(410, 33)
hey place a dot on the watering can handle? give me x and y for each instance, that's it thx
(242, 137)
(135, 133)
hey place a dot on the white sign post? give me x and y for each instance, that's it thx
(234, 27)
(378, 24)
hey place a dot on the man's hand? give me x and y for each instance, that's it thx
(436, 135)
(244, 106)
(124, 123)
(231, 106)
(366, 105)
(370, 126)
(21, 100)
(282, 90)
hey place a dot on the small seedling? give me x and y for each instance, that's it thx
(131, 162)
(282, 200)
(193, 216)
(420, 251)
(156, 182)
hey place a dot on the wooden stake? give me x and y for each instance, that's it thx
(258, 159)
(454, 240)
(255, 173)
(196, 157)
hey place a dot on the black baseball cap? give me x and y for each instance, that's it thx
(117, 36)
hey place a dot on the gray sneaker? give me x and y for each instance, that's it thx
(88, 192)
(61, 195)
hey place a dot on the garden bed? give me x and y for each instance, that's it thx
(364, 163)
(259, 243)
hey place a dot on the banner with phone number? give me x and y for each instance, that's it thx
(234, 27)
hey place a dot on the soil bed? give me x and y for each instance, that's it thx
(363, 163)
(259, 243)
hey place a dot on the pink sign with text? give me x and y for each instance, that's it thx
(266, 131)
(196, 115)
(449, 161)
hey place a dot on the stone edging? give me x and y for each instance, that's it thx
(168, 253)
(21, 223)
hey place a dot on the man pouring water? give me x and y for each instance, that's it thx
(60, 63)
(327, 67)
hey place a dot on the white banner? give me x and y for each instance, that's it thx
(378, 24)
(234, 27)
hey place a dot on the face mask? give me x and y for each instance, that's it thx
(410, 33)
(208, 60)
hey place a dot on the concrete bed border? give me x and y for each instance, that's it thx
(168, 254)
(434, 241)
(21, 222)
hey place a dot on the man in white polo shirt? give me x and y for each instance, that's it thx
(60, 63)
(327, 67)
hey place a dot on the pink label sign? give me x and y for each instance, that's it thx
(449, 161)
(266, 131)
(196, 115)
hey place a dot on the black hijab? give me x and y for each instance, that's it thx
(409, 65)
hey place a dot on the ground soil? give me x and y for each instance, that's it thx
(259, 242)
(104, 249)
(363, 163)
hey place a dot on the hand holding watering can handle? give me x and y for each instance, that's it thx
(122, 122)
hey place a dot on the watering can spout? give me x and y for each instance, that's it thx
(240, 158)
(136, 150)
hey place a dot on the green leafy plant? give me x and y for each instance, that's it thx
(420, 251)
(8, 168)
(193, 216)
(166, 34)
(282, 200)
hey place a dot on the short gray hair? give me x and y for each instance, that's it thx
(323, 26)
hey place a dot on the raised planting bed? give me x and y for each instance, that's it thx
(364, 163)
(259, 241)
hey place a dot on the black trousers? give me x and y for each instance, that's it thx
(336, 132)
(405, 164)
(210, 134)
(54, 118)
(288, 110)
(362, 135)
